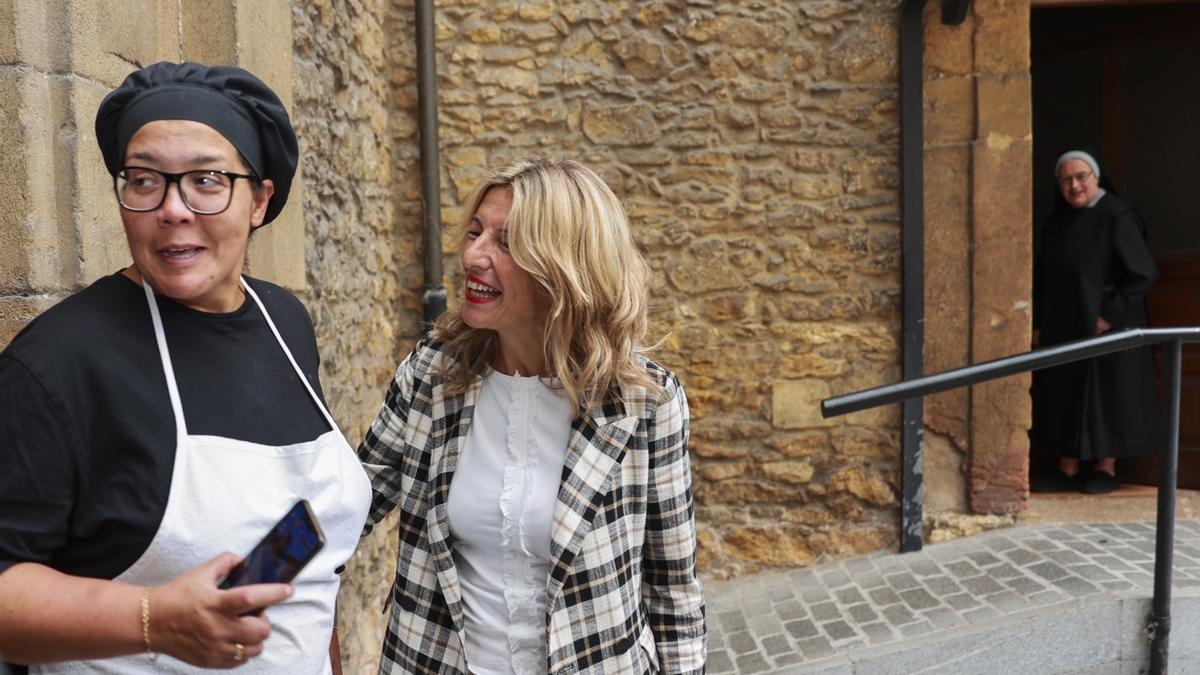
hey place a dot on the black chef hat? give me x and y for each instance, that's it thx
(235, 103)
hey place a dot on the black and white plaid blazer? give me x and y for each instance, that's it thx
(622, 595)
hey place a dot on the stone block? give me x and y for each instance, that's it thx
(863, 484)
(31, 29)
(947, 282)
(945, 478)
(949, 110)
(1005, 109)
(619, 125)
(109, 39)
(10, 52)
(209, 31)
(16, 311)
(1001, 36)
(101, 243)
(796, 404)
(16, 182)
(869, 53)
(794, 472)
(783, 546)
(264, 47)
(949, 50)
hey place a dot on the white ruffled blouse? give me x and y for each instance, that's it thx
(500, 507)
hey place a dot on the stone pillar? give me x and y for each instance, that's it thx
(1002, 253)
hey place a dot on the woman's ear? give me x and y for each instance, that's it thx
(261, 196)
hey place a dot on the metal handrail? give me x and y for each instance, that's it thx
(1174, 338)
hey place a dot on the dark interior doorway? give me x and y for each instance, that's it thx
(1123, 81)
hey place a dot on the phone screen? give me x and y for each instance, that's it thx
(286, 549)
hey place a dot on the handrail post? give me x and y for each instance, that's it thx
(1164, 550)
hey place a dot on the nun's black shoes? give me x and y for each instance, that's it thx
(1100, 483)
(1056, 482)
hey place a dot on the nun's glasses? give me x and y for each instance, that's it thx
(1080, 177)
(204, 191)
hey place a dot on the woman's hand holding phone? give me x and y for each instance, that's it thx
(196, 622)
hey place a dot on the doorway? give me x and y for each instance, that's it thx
(1121, 80)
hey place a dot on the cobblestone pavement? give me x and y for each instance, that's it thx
(776, 622)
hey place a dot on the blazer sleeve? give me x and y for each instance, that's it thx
(671, 588)
(384, 451)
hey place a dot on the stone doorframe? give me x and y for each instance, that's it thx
(978, 262)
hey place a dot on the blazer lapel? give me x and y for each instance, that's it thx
(595, 449)
(457, 414)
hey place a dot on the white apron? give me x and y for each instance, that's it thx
(225, 495)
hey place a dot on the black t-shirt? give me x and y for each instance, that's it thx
(87, 436)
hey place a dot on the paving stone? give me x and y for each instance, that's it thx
(1093, 572)
(764, 624)
(814, 594)
(862, 613)
(983, 558)
(1024, 585)
(884, 596)
(919, 598)
(961, 602)
(826, 611)
(801, 629)
(815, 648)
(1022, 556)
(943, 618)
(981, 585)
(848, 596)
(1005, 570)
(898, 615)
(1066, 557)
(1007, 601)
(942, 586)
(1048, 570)
(924, 567)
(790, 609)
(789, 659)
(903, 581)
(835, 578)
(878, 633)
(741, 642)
(752, 663)
(962, 569)
(732, 621)
(838, 631)
(719, 661)
(775, 645)
(983, 613)
(914, 629)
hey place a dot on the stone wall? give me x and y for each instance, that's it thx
(362, 246)
(755, 146)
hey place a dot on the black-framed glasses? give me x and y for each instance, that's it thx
(1081, 177)
(206, 192)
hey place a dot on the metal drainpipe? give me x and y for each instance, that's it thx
(434, 297)
(912, 205)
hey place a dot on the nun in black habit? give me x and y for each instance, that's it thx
(1092, 273)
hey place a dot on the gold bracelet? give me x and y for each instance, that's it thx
(146, 623)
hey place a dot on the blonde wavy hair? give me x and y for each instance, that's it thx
(568, 230)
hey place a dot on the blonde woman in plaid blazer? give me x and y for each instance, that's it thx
(555, 287)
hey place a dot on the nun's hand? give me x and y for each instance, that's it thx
(1102, 326)
(194, 621)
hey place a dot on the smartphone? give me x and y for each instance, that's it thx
(286, 549)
